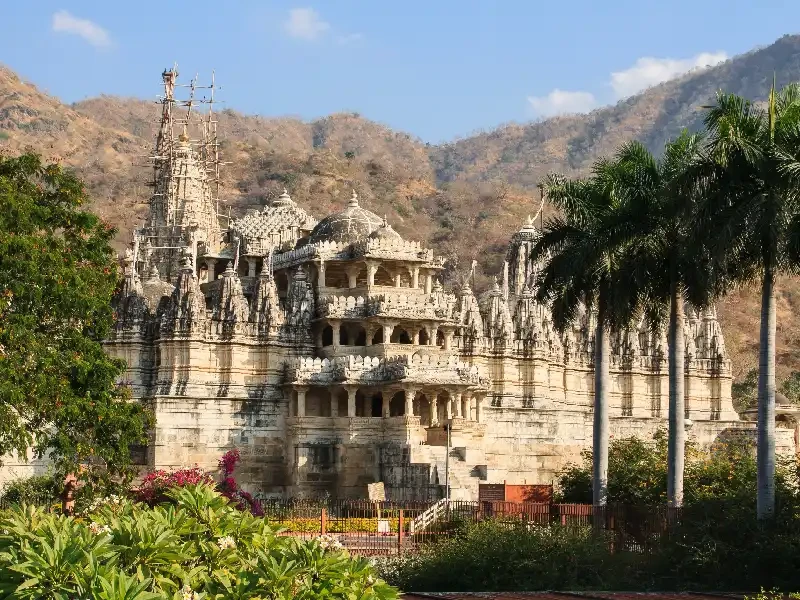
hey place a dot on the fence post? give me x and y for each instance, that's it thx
(323, 522)
(400, 531)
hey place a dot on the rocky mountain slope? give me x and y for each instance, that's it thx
(464, 198)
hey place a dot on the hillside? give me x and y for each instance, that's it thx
(463, 198)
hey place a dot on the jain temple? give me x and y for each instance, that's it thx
(328, 353)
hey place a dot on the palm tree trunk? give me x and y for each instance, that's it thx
(677, 431)
(602, 384)
(766, 399)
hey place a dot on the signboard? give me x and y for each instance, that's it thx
(491, 492)
(383, 527)
(376, 492)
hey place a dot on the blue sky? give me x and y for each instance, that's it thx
(437, 69)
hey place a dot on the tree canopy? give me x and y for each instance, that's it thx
(58, 389)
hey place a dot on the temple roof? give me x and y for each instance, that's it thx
(350, 225)
(257, 230)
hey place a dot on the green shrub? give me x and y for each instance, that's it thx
(492, 556)
(40, 490)
(196, 547)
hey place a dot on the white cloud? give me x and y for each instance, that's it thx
(648, 71)
(64, 22)
(560, 102)
(305, 24)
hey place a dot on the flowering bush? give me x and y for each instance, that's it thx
(155, 485)
(231, 490)
(197, 547)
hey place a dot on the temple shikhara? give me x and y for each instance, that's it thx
(328, 353)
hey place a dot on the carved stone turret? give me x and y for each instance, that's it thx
(186, 311)
(496, 316)
(230, 305)
(299, 306)
(265, 307)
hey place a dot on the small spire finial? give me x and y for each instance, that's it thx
(184, 137)
(353, 199)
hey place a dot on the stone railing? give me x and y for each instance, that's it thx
(397, 306)
(422, 369)
(392, 248)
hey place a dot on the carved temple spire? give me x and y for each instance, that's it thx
(186, 312)
(230, 305)
(265, 307)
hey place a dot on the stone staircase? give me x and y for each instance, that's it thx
(467, 469)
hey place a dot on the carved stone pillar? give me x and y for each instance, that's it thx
(321, 274)
(415, 337)
(337, 332)
(372, 268)
(301, 401)
(448, 408)
(428, 283)
(456, 406)
(334, 405)
(414, 277)
(352, 275)
(465, 412)
(385, 405)
(434, 411)
(370, 334)
(388, 328)
(351, 400)
(448, 339)
(409, 398)
(211, 263)
(397, 279)
(479, 409)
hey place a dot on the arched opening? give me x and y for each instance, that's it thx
(422, 408)
(439, 338)
(376, 405)
(400, 336)
(335, 276)
(441, 407)
(424, 339)
(397, 405)
(341, 400)
(377, 338)
(281, 282)
(358, 335)
(327, 336)
(382, 277)
(318, 402)
(363, 408)
(344, 338)
(405, 279)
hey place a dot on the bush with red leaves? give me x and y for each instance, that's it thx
(154, 485)
(231, 490)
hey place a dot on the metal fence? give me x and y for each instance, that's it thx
(381, 528)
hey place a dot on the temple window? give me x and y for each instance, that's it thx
(378, 337)
(382, 277)
(327, 336)
(400, 336)
(397, 405)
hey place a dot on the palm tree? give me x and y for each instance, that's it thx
(664, 263)
(582, 265)
(751, 183)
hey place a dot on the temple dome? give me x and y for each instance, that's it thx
(385, 232)
(352, 224)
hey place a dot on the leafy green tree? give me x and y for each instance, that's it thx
(745, 392)
(584, 258)
(58, 390)
(637, 472)
(791, 387)
(751, 179)
(665, 267)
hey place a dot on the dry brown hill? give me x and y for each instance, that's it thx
(463, 198)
